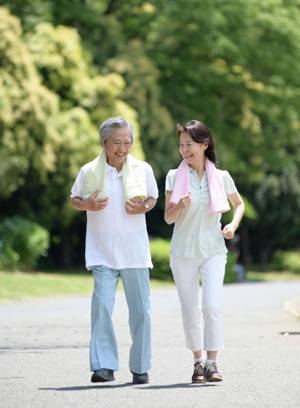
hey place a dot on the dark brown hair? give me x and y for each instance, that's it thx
(200, 133)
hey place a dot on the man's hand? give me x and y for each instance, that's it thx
(136, 208)
(95, 204)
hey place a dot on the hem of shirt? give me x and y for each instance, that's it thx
(150, 266)
(75, 195)
(199, 255)
(232, 192)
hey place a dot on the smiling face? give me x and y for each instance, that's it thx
(192, 152)
(117, 147)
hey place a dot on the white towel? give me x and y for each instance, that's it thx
(133, 177)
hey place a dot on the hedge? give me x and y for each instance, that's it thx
(160, 249)
(286, 261)
(22, 242)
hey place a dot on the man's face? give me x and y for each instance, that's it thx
(117, 147)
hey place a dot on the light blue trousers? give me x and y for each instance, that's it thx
(103, 346)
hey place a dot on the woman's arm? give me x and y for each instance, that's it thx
(172, 212)
(238, 211)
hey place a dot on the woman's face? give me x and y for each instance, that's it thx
(193, 153)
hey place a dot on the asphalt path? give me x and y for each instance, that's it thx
(44, 351)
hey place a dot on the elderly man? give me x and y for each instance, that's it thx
(116, 190)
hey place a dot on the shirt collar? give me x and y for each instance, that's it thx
(110, 168)
(190, 170)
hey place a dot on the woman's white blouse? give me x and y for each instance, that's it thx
(197, 234)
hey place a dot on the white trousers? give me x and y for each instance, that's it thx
(186, 272)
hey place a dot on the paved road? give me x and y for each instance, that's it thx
(44, 354)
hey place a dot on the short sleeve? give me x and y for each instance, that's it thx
(228, 183)
(152, 190)
(170, 180)
(77, 188)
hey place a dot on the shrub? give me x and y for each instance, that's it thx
(286, 261)
(160, 249)
(22, 242)
(230, 274)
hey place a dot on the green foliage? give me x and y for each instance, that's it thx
(25, 134)
(230, 274)
(66, 69)
(22, 243)
(12, 171)
(160, 249)
(142, 93)
(219, 59)
(60, 61)
(249, 213)
(234, 65)
(53, 102)
(9, 259)
(286, 261)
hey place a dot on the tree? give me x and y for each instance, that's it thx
(47, 136)
(101, 32)
(26, 136)
(235, 65)
(232, 64)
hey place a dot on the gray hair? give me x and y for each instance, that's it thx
(109, 125)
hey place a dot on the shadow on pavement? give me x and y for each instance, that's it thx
(183, 385)
(144, 387)
(88, 387)
(30, 349)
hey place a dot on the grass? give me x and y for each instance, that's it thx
(271, 276)
(22, 285)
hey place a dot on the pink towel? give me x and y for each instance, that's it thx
(218, 199)
(182, 183)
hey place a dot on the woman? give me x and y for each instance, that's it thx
(196, 195)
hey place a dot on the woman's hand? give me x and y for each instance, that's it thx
(185, 202)
(228, 231)
(172, 212)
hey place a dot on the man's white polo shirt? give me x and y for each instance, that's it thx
(113, 237)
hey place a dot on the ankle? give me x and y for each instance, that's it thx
(199, 359)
